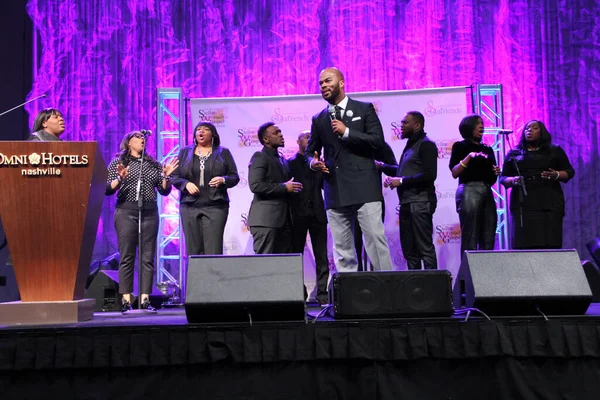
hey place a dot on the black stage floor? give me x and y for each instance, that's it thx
(161, 355)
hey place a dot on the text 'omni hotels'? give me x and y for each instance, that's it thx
(44, 164)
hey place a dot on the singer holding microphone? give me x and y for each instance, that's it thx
(48, 126)
(207, 170)
(537, 220)
(474, 164)
(350, 134)
(123, 176)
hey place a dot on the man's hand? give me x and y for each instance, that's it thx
(338, 127)
(392, 182)
(293, 187)
(318, 164)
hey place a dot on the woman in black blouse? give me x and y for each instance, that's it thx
(537, 218)
(123, 174)
(474, 164)
(207, 171)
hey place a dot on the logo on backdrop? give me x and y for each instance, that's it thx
(448, 233)
(45, 163)
(396, 130)
(244, 219)
(215, 116)
(445, 194)
(279, 117)
(249, 137)
(432, 109)
(444, 148)
(243, 180)
(288, 152)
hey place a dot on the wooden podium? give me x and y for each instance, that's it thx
(52, 194)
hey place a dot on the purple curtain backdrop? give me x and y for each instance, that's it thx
(101, 62)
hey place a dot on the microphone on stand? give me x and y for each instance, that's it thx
(146, 132)
(21, 105)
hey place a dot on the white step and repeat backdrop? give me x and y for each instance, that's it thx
(237, 121)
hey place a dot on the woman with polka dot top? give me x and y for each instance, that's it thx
(207, 171)
(123, 174)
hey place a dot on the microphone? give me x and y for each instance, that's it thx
(21, 105)
(331, 111)
(498, 130)
(146, 132)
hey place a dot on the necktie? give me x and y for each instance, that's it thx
(338, 113)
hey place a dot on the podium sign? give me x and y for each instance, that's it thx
(50, 206)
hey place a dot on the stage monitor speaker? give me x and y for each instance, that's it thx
(391, 294)
(105, 289)
(245, 288)
(522, 282)
(593, 276)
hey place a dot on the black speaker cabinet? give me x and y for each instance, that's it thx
(593, 276)
(391, 294)
(105, 289)
(520, 282)
(251, 288)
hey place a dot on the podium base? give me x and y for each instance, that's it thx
(46, 312)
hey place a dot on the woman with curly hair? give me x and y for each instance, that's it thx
(123, 174)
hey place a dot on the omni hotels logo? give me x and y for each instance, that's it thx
(44, 164)
(215, 116)
(249, 137)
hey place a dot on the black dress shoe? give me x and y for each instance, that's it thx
(146, 306)
(125, 307)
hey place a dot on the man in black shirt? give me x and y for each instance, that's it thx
(417, 171)
(474, 164)
(308, 211)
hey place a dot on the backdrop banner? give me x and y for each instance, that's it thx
(237, 121)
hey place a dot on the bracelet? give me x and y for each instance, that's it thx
(119, 178)
(557, 175)
(461, 164)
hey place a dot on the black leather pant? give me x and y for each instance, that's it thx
(477, 214)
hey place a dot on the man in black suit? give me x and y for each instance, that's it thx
(349, 132)
(270, 180)
(417, 171)
(308, 212)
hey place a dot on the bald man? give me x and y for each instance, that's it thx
(348, 133)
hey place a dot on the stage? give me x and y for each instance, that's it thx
(162, 356)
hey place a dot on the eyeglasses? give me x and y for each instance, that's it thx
(138, 135)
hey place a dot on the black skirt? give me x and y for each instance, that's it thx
(540, 230)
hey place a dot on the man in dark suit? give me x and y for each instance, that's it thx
(349, 132)
(308, 212)
(417, 171)
(270, 180)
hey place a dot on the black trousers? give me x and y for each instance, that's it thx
(477, 214)
(203, 228)
(416, 234)
(272, 240)
(126, 225)
(318, 238)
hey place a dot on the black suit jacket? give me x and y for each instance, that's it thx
(221, 163)
(310, 198)
(353, 178)
(267, 175)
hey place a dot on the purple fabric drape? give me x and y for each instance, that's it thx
(101, 62)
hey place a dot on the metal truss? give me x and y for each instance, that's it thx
(170, 114)
(487, 102)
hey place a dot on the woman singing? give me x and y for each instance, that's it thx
(207, 171)
(48, 126)
(474, 164)
(538, 216)
(123, 175)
